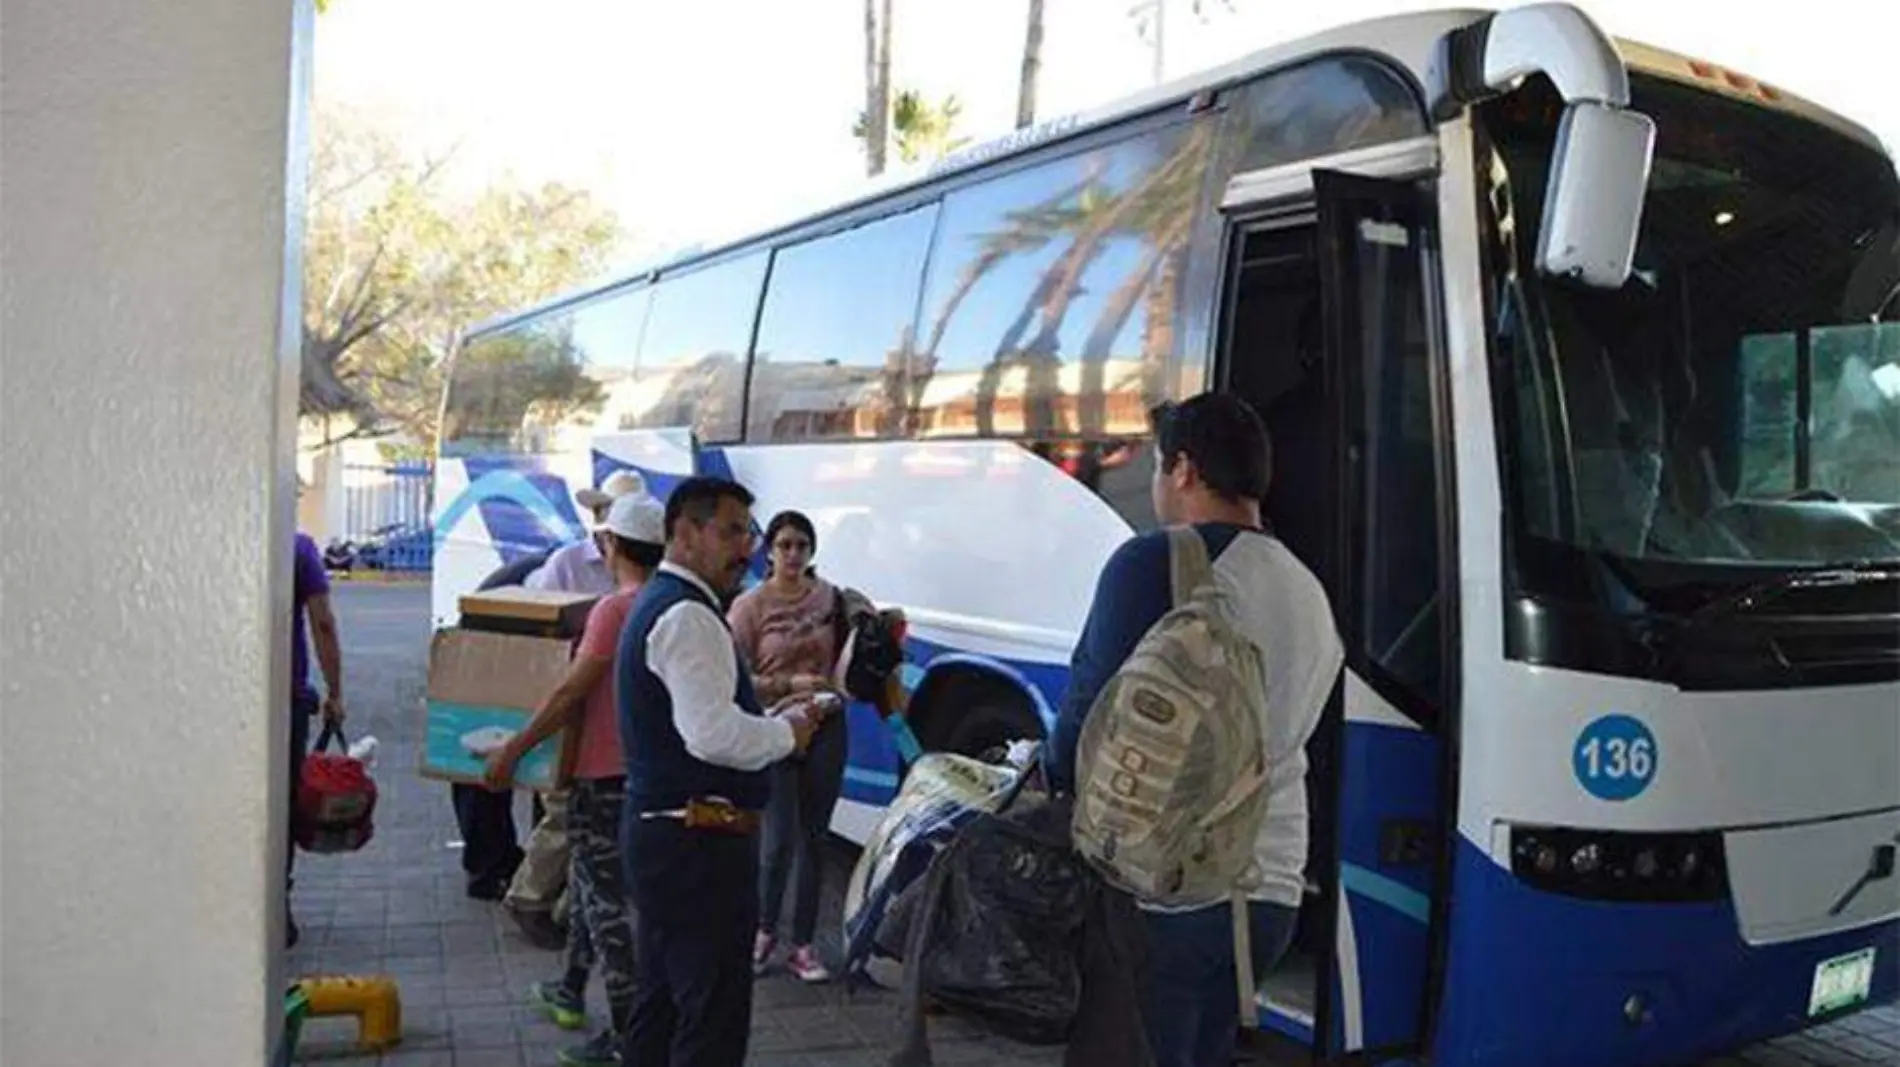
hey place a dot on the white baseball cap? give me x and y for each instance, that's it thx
(618, 484)
(637, 517)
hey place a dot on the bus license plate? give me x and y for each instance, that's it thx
(1841, 982)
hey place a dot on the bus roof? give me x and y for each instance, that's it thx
(1410, 40)
(1702, 74)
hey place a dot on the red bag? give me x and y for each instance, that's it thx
(336, 798)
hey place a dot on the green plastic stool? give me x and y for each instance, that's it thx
(296, 1009)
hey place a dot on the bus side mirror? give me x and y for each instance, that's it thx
(1593, 207)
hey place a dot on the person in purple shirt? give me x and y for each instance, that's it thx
(310, 596)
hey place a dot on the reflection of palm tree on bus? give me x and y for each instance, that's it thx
(1097, 216)
(1166, 223)
(1157, 212)
(1027, 230)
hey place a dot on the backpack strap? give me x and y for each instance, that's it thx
(1190, 570)
(1188, 565)
(1243, 958)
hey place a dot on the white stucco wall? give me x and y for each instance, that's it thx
(146, 401)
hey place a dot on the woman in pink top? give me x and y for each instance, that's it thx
(634, 534)
(786, 630)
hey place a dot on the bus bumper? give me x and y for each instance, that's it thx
(1538, 978)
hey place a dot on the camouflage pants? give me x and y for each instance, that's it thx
(600, 927)
(540, 883)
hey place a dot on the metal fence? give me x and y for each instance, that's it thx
(386, 516)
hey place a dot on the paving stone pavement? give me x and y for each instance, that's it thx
(398, 908)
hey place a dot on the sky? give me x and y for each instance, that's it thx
(701, 119)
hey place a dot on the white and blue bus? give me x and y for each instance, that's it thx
(1582, 369)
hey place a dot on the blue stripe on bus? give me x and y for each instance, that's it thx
(523, 510)
(1273, 1019)
(1395, 895)
(875, 779)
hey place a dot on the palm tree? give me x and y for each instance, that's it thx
(1032, 67)
(922, 130)
(873, 126)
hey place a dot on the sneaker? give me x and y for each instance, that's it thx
(562, 1008)
(602, 1051)
(762, 946)
(805, 966)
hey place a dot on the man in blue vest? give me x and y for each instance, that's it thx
(696, 744)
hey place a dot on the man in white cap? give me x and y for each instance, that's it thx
(537, 894)
(633, 536)
(580, 567)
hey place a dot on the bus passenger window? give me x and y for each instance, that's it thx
(830, 361)
(1400, 610)
(693, 353)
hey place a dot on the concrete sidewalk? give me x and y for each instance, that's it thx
(398, 908)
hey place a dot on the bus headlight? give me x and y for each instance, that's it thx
(1612, 865)
(1587, 859)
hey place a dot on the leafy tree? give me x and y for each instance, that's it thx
(511, 384)
(397, 268)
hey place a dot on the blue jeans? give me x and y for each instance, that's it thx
(1189, 1002)
(797, 821)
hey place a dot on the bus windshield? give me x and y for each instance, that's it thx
(1736, 405)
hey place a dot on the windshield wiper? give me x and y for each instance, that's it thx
(1751, 597)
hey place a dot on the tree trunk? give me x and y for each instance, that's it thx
(877, 84)
(1032, 67)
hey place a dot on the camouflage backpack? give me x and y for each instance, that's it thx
(1171, 768)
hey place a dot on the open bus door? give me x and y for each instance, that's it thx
(1390, 724)
(1329, 330)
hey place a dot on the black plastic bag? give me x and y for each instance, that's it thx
(997, 932)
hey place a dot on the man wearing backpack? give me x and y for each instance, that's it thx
(1251, 657)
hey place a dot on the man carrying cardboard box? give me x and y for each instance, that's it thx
(537, 895)
(584, 703)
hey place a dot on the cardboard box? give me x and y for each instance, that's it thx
(516, 609)
(483, 688)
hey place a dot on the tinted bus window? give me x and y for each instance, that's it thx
(830, 358)
(693, 351)
(1052, 293)
(526, 388)
(1322, 108)
(1316, 109)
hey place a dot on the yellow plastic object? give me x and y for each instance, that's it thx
(375, 1001)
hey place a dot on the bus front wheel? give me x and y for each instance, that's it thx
(978, 717)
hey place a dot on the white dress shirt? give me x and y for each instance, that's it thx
(690, 649)
(574, 568)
